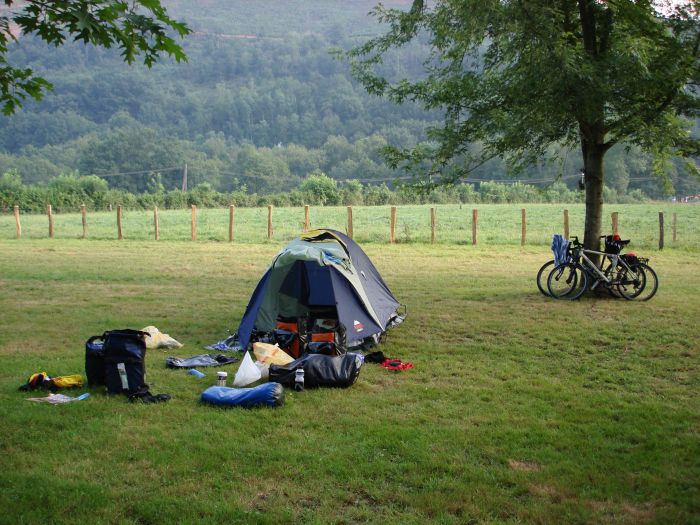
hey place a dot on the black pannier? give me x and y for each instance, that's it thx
(613, 244)
(95, 361)
(124, 359)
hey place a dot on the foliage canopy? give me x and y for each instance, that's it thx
(518, 77)
(136, 27)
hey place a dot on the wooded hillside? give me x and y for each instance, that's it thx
(260, 105)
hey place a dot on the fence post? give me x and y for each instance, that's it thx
(566, 224)
(432, 224)
(523, 227)
(350, 232)
(475, 218)
(83, 213)
(231, 209)
(49, 212)
(614, 223)
(661, 230)
(675, 222)
(392, 225)
(306, 217)
(269, 222)
(17, 223)
(119, 223)
(155, 222)
(194, 222)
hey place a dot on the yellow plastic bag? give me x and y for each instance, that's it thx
(271, 354)
(159, 340)
(72, 381)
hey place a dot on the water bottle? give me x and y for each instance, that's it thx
(195, 372)
(299, 380)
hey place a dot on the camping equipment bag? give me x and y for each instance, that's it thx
(320, 370)
(95, 361)
(269, 394)
(124, 358)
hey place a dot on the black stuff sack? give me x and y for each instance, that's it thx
(319, 370)
(95, 361)
(124, 358)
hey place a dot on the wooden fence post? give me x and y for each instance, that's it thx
(392, 225)
(523, 227)
(49, 212)
(306, 217)
(675, 223)
(119, 223)
(475, 218)
(566, 224)
(83, 213)
(231, 210)
(614, 223)
(18, 226)
(350, 232)
(269, 221)
(156, 226)
(661, 230)
(194, 222)
(432, 225)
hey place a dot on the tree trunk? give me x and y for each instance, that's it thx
(593, 165)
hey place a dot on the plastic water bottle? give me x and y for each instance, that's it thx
(299, 380)
(195, 372)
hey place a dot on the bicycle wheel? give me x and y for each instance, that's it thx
(567, 281)
(542, 275)
(651, 282)
(630, 283)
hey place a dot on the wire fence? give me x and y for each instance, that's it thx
(654, 225)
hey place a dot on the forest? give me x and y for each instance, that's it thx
(261, 105)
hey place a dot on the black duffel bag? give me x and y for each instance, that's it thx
(319, 370)
(124, 354)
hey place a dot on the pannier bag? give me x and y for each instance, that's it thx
(124, 357)
(320, 370)
(327, 337)
(289, 335)
(613, 244)
(95, 361)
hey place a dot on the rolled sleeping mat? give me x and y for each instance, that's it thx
(269, 394)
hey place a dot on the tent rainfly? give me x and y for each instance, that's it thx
(321, 271)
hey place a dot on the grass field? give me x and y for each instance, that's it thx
(520, 409)
(497, 224)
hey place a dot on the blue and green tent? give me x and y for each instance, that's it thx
(323, 269)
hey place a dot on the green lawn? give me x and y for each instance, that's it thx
(497, 224)
(520, 409)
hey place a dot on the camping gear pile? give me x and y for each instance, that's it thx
(317, 308)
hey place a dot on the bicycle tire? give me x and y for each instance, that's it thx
(542, 275)
(567, 281)
(651, 282)
(631, 283)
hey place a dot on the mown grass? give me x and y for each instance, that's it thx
(520, 409)
(497, 224)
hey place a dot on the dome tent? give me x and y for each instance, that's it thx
(324, 270)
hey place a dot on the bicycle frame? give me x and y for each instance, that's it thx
(591, 267)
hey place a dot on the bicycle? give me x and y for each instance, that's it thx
(625, 276)
(546, 268)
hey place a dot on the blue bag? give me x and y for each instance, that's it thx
(269, 394)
